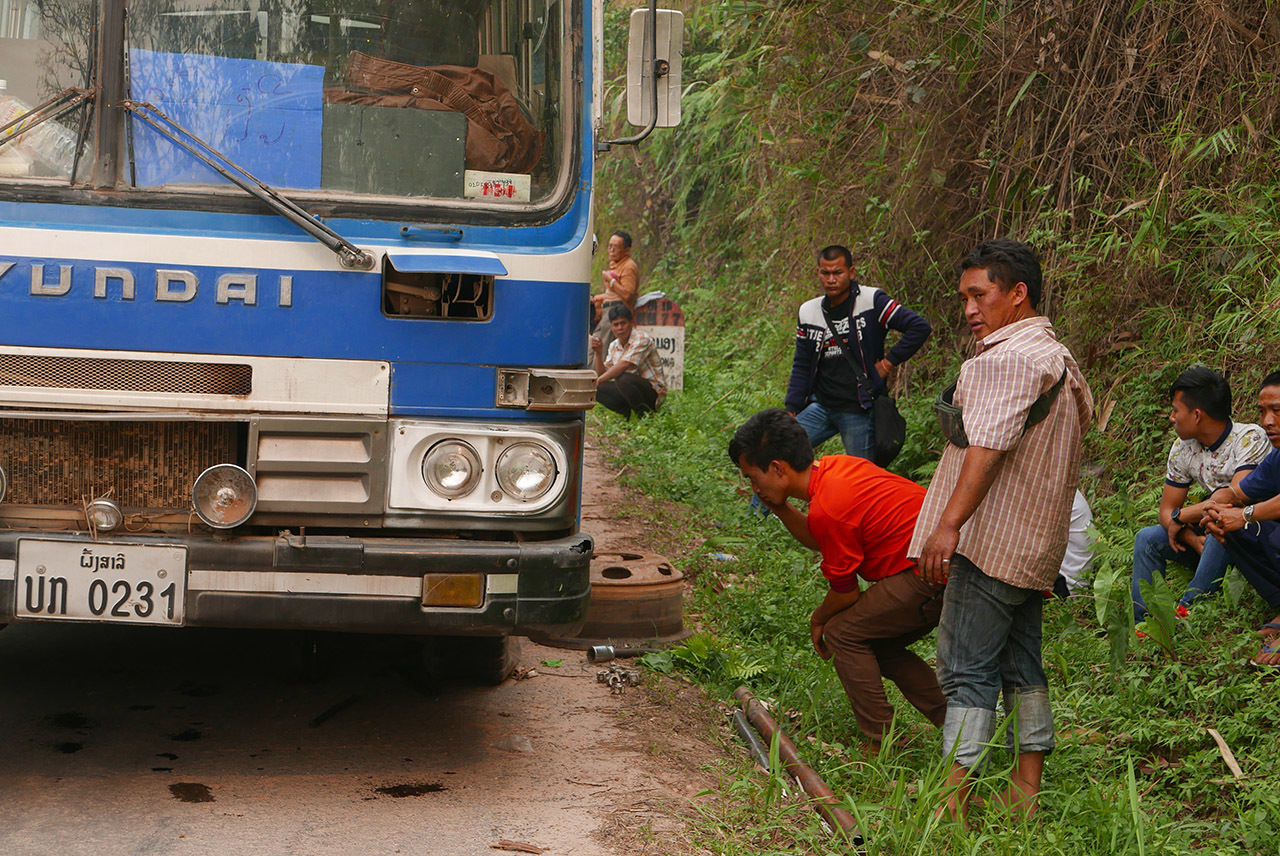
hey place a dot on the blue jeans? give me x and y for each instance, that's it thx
(856, 430)
(988, 643)
(1151, 552)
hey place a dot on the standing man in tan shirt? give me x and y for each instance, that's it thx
(621, 278)
(995, 519)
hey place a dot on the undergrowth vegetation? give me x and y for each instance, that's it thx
(1136, 770)
(1136, 145)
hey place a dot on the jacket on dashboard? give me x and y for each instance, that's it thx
(871, 314)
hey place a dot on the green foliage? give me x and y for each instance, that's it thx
(1135, 146)
(1161, 620)
(1115, 697)
(705, 658)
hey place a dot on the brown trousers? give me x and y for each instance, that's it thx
(868, 642)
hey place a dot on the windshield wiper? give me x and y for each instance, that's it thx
(348, 253)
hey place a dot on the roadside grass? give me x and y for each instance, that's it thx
(1136, 770)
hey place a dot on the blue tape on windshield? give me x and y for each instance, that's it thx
(473, 262)
(264, 116)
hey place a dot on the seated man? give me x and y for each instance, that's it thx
(861, 518)
(1211, 451)
(629, 380)
(1249, 522)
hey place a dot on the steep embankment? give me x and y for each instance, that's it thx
(1136, 145)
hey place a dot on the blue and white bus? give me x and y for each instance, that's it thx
(293, 313)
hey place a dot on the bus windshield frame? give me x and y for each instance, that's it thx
(531, 169)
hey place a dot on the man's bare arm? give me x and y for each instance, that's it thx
(835, 602)
(1171, 499)
(621, 367)
(796, 521)
(1221, 518)
(977, 474)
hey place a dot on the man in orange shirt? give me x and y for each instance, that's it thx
(860, 518)
(621, 278)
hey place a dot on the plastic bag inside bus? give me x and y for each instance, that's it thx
(34, 69)
(269, 84)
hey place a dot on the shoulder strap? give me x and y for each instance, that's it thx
(1041, 406)
(853, 364)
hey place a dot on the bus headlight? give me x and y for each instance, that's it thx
(451, 468)
(105, 515)
(526, 471)
(224, 496)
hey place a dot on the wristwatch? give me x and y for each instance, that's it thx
(1248, 515)
(1176, 516)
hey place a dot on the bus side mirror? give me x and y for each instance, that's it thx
(643, 73)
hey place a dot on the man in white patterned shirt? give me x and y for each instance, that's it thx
(630, 379)
(1213, 452)
(995, 519)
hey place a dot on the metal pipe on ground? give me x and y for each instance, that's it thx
(605, 653)
(757, 749)
(824, 799)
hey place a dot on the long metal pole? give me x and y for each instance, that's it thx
(824, 799)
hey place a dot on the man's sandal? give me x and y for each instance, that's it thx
(1271, 628)
(1272, 646)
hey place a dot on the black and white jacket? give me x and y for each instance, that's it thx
(871, 313)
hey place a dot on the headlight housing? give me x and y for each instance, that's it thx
(521, 471)
(451, 468)
(104, 515)
(224, 496)
(526, 471)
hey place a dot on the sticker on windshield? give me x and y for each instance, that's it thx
(496, 185)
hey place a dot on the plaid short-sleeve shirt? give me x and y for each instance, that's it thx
(1019, 532)
(642, 353)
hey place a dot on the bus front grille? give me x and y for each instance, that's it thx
(146, 465)
(99, 373)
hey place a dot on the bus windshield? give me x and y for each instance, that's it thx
(411, 99)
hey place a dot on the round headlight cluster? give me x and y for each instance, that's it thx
(105, 515)
(526, 471)
(224, 496)
(451, 468)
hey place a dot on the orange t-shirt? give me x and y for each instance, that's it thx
(862, 517)
(627, 286)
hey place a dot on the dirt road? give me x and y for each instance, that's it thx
(150, 741)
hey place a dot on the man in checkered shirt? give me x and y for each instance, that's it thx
(995, 519)
(630, 379)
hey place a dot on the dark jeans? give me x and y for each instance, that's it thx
(989, 642)
(628, 393)
(1255, 550)
(1151, 551)
(868, 642)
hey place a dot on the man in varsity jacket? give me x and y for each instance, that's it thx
(824, 393)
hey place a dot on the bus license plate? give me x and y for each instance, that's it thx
(100, 581)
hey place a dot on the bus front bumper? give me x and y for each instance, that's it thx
(332, 583)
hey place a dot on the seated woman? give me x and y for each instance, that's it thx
(629, 379)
